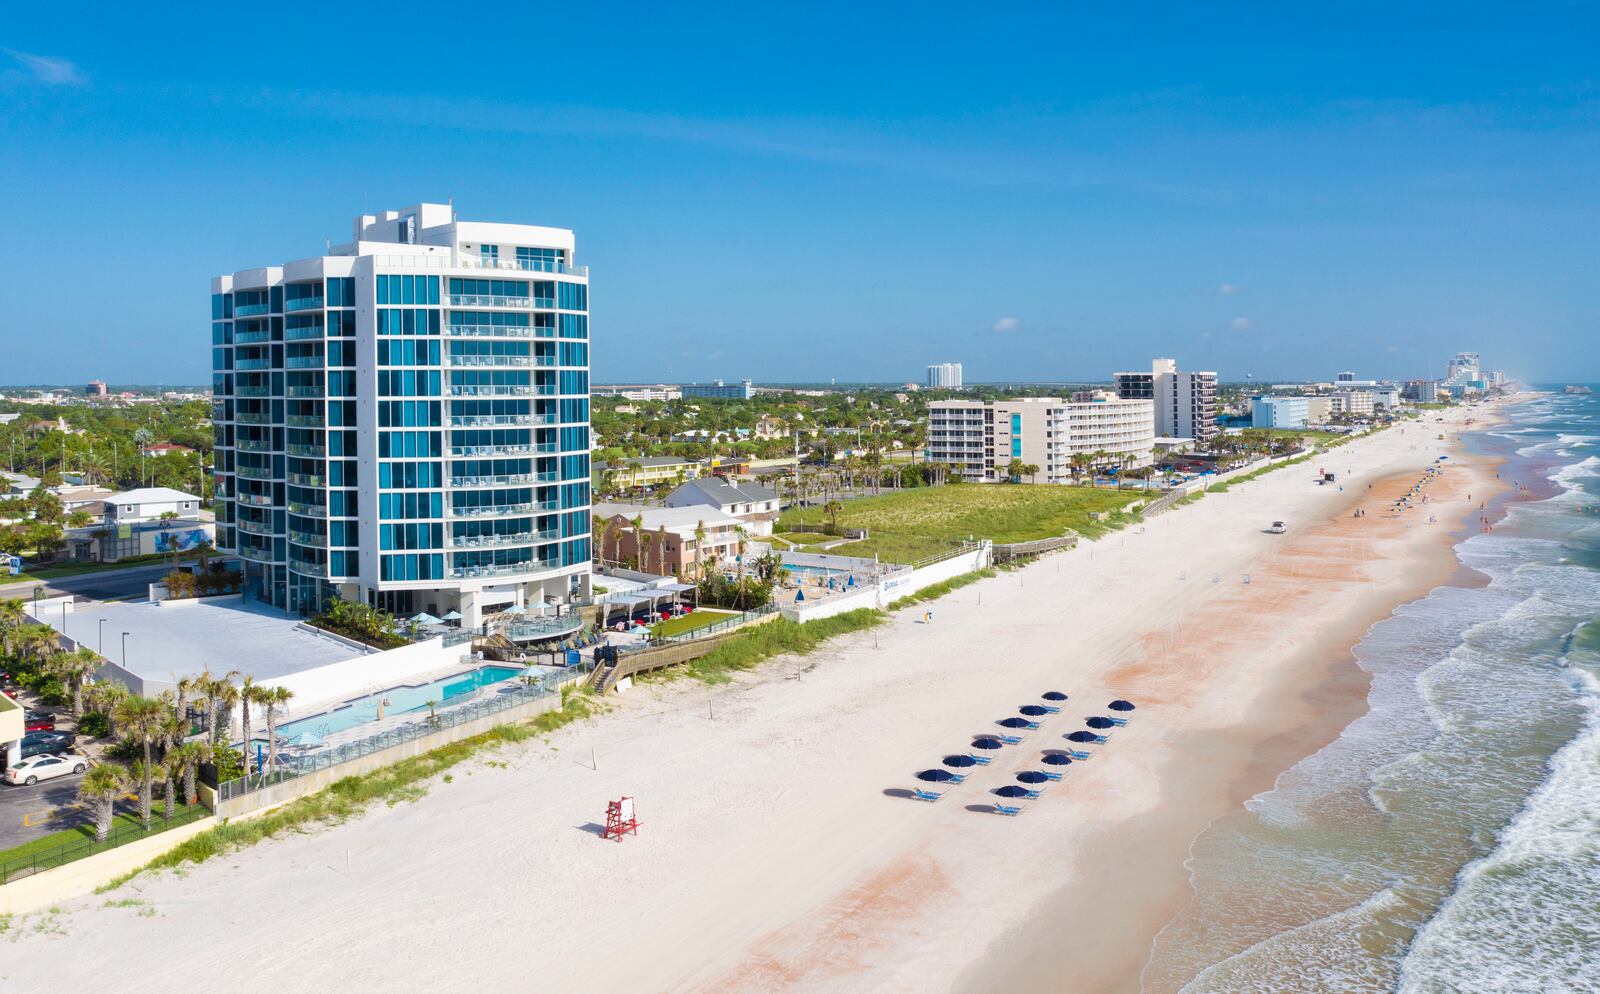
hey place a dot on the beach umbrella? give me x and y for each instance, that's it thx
(1084, 737)
(986, 742)
(516, 609)
(960, 761)
(1099, 722)
(1120, 705)
(1011, 790)
(1057, 759)
(852, 580)
(1033, 710)
(424, 618)
(1015, 723)
(453, 616)
(799, 595)
(1053, 695)
(936, 776)
(1031, 776)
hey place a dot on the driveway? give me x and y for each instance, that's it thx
(26, 813)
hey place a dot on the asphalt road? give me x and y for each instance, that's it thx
(29, 812)
(103, 585)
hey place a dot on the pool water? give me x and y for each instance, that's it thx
(401, 700)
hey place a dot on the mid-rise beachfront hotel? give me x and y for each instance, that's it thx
(404, 421)
(981, 438)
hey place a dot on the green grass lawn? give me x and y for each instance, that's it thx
(804, 538)
(907, 525)
(703, 618)
(121, 821)
(56, 572)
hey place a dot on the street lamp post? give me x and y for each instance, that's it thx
(101, 648)
(124, 650)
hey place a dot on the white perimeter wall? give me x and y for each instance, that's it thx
(893, 587)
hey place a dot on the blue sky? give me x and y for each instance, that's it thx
(848, 192)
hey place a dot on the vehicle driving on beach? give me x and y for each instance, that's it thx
(1278, 528)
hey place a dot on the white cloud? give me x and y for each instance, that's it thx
(1006, 324)
(1241, 323)
(1227, 288)
(49, 69)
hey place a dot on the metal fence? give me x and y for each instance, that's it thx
(715, 628)
(16, 867)
(506, 697)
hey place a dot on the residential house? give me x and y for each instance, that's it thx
(752, 503)
(672, 549)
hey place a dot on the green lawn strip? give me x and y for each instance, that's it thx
(351, 795)
(44, 573)
(937, 590)
(776, 638)
(804, 538)
(121, 821)
(907, 525)
(703, 618)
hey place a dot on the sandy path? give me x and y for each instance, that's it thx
(774, 852)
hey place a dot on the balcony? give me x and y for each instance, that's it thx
(252, 337)
(254, 500)
(254, 527)
(314, 333)
(486, 300)
(489, 390)
(470, 482)
(304, 362)
(524, 265)
(490, 541)
(305, 568)
(484, 572)
(491, 511)
(305, 421)
(255, 473)
(491, 450)
(318, 392)
(303, 304)
(308, 539)
(488, 331)
(306, 480)
(306, 451)
(252, 391)
(249, 364)
(249, 310)
(308, 510)
(488, 360)
(500, 420)
(253, 445)
(257, 551)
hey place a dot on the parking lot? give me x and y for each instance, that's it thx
(26, 813)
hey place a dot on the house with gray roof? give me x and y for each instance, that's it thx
(752, 503)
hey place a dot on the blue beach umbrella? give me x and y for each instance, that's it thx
(1098, 722)
(1120, 705)
(1084, 737)
(960, 761)
(1057, 759)
(1031, 776)
(936, 776)
(1053, 695)
(1016, 723)
(1012, 790)
(987, 742)
(1033, 710)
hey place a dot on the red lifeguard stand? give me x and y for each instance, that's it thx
(620, 819)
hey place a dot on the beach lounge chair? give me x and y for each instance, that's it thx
(925, 795)
(1006, 809)
(980, 760)
(1032, 795)
(1009, 739)
(1078, 754)
(1119, 722)
(1052, 710)
(1050, 776)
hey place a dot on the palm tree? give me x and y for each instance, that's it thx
(249, 694)
(74, 669)
(186, 686)
(832, 509)
(11, 615)
(105, 697)
(142, 717)
(224, 694)
(645, 539)
(101, 786)
(1031, 471)
(272, 699)
(185, 761)
(699, 546)
(638, 538)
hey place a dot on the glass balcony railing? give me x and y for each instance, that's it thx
(313, 333)
(252, 391)
(252, 337)
(489, 541)
(487, 331)
(316, 391)
(304, 362)
(307, 568)
(306, 480)
(252, 418)
(252, 445)
(477, 572)
(305, 420)
(306, 451)
(486, 300)
(493, 420)
(465, 482)
(494, 390)
(488, 360)
(254, 500)
(308, 510)
(491, 450)
(249, 310)
(254, 527)
(302, 304)
(255, 473)
(308, 539)
(252, 364)
(492, 511)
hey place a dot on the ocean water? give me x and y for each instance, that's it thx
(1449, 839)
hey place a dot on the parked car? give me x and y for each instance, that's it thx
(39, 743)
(1278, 528)
(38, 721)
(46, 767)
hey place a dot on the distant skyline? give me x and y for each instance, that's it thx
(845, 192)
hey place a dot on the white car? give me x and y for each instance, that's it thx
(35, 768)
(1278, 528)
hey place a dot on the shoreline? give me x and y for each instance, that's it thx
(1314, 694)
(777, 849)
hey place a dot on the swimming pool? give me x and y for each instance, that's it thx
(400, 700)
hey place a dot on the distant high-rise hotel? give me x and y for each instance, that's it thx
(719, 390)
(96, 388)
(980, 439)
(1185, 403)
(404, 422)
(945, 376)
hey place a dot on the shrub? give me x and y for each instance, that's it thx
(94, 724)
(51, 692)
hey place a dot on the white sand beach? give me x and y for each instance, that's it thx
(777, 849)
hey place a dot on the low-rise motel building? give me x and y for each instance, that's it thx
(981, 438)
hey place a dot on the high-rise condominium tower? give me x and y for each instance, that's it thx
(1185, 403)
(404, 421)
